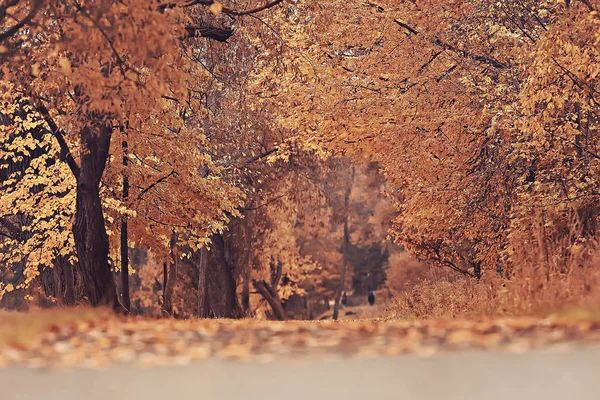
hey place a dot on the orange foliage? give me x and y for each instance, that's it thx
(483, 116)
(549, 277)
(479, 112)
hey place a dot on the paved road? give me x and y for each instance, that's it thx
(543, 375)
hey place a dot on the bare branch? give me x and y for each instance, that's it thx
(158, 182)
(446, 73)
(407, 27)
(438, 42)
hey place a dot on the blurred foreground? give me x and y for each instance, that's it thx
(535, 375)
(90, 354)
(88, 338)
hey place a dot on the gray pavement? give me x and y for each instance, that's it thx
(543, 375)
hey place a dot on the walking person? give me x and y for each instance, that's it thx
(371, 298)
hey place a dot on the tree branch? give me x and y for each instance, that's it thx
(14, 232)
(266, 291)
(213, 32)
(448, 263)
(225, 10)
(457, 269)
(209, 32)
(446, 73)
(438, 42)
(158, 182)
(276, 277)
(13, 30)
(253, 11)
(65, 152)
(264, 204)
(120, 61)
(431, 59)
(261, 156)
(407, 27)
(482, 59)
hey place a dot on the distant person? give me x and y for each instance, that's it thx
(344, 300)
(371, 298)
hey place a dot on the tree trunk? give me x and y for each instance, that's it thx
(338, 294)
(164, 284)
(67, 286)
(91, 240)
(270, 295)
(224, 304)
(170, 278)
(124, 246)
(69, 276)
(125, 266)
(246, 289)
(477, 269)
(246, 269)
(345, 243)
(203, 276)
(203, 284)
(269, 291)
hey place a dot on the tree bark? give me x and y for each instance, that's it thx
(203, 284)
(125, 266)
(269, 292)
(246, 289)
(209, 32)
(124, 246)
(91, 240)
(170, 278)
(338, 294)
(69, 276)
(345, 243)
(246, 269)
(58, 281)
(477, 269)
(164, 284)
(224, 304)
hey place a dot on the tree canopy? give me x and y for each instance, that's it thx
(218, 136)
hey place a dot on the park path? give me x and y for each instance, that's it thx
(536, 375)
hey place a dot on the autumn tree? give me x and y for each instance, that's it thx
(111, 70)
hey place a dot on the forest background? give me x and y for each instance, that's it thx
(242, 159)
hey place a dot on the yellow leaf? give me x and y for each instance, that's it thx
(216, 8)
(65, 65)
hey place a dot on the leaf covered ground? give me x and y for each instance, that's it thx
(91, 339)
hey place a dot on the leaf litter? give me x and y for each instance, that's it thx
(95, 339)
